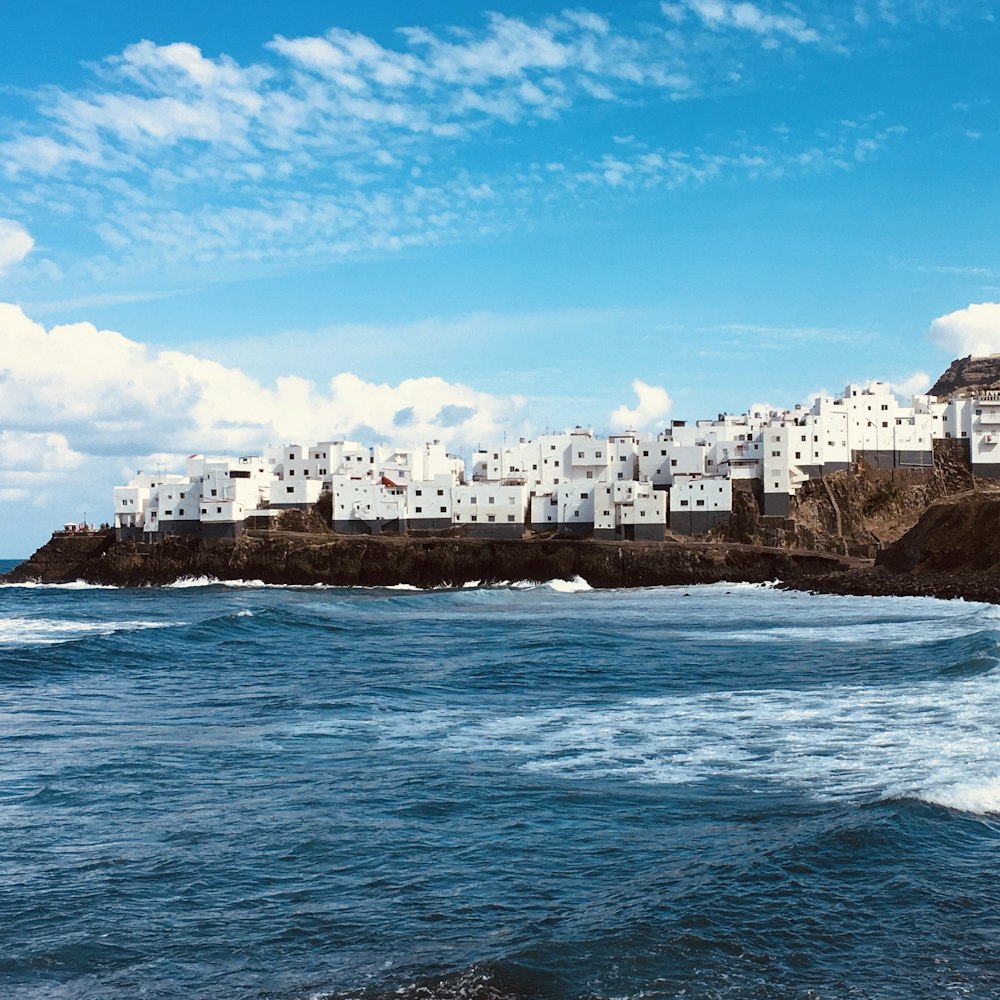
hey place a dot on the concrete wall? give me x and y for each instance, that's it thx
(697, 522)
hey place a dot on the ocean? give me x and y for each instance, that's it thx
(732, 791)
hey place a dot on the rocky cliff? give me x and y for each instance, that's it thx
(303, 559)
(856, 512)
(968, 374)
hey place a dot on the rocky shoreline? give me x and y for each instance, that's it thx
(952, 552)
(304, 559)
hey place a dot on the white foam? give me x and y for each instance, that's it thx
(47, 632)
(244, 613)
(400, 586)
(980, 797)
(575, 586)
(73, 585)
(846, 742)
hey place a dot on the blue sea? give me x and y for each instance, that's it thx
(250, 792)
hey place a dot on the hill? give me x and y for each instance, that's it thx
(969, 373)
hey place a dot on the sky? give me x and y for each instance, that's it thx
(224, 226)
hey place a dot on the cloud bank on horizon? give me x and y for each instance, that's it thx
(81, 399)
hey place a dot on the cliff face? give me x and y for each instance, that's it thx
(855, 513)
(958, 535)
(968, 374)
(300, 559)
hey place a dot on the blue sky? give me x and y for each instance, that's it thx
(222, 225)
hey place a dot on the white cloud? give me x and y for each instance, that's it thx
(913, 385)
(974, 330)
(15, 243)
(748, 17)
(74, 393)
(653, 404)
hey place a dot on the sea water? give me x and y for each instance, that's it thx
(545, 791)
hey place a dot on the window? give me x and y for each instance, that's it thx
(474, 517)
(556, 463)
(579, 454)
(642, 513)
(622, 459)
(418, 493)
(673, 463)
(621, 475)
(885, 406)
(553, 501)
(495, 455)
(288, 489)
(491, 500)
(218, 510)
(798, 454)
(885, 423)
(685, 503)
(663, 453)
(291, 458)
(418, 510)
(510, 517)
(183, 495)
(204, 510)
(440, 493)
(491, 518)
(584, 496)
(534, 468)
(607, 513)
(598, 454)
(645, 454)
(168, 513)
(444, 510)
(214, 493)
(776, 486)
(699, 503)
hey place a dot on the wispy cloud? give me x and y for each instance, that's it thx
(15, 243)
(338, 145)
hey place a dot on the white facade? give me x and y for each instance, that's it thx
(575, 481)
